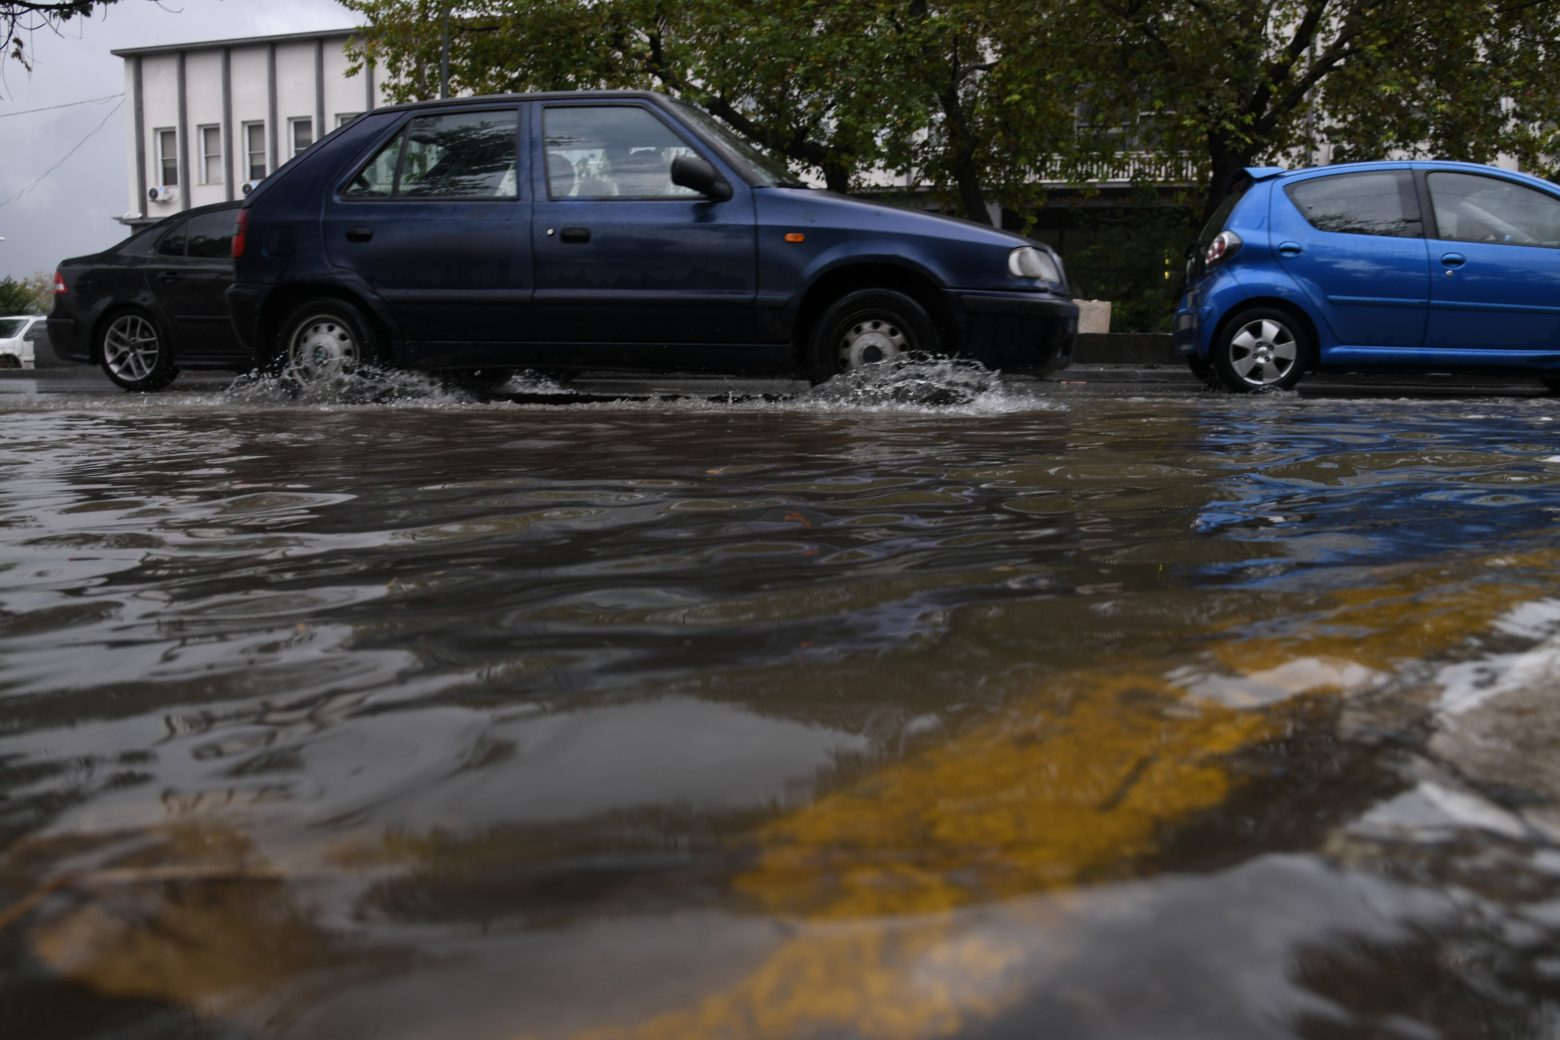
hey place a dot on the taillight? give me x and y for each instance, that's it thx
(240, 232)
(1224, 245)
(59, 284)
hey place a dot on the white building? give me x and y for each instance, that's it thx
(211, 119)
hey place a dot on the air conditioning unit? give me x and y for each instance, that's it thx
(250, 186)
(164, 193)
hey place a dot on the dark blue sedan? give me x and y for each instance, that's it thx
(611, 230)
(1385, 266)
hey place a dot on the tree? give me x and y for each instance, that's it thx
(26, 16)
(27, 296)
(847, 87)
(1241, 81)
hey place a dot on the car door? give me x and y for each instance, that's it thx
(623, 256)
(188, 272)
(1496, 252)
(435, 224)
(1354, 244)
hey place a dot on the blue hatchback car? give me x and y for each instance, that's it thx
(611, 230)
(1425, 266)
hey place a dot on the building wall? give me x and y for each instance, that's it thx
(228, 86)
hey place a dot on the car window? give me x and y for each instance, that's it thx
(1376, 203)
(211, 234)
(611, 151)
(172, 243)
(9, 327)
(38, 333)
(1471, 208)
(458, 155)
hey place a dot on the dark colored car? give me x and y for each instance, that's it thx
(152, 304)
(1386, 266)
(612, 229)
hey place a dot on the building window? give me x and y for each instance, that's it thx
(302, 133)
(210, 154)
(167, 156)
(343, 118)
(254, 148)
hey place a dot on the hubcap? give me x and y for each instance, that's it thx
(1263, 352)
(871, 340)
(321, 349)
(131, 348)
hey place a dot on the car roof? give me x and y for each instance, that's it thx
(1262, 173)
(543, 95)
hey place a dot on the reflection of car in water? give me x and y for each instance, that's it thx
(616, 229)
(19, 338)
(152, 304)
(1376, 266)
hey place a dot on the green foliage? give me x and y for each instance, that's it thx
(28, 296)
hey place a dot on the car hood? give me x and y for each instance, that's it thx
(805, 205)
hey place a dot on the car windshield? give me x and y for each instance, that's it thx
(758, 167)
(11, 327)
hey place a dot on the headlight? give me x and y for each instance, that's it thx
(1029, 262)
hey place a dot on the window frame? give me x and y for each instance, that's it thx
(293, 123)
(1408, 191)
(249, 153)
(690, 141)
(162, 135)
(1433, 221)
(395, 133)
(207, 134)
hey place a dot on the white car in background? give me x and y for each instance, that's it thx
(18, 334)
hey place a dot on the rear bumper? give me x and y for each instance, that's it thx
(69, 340)
(1015, 332)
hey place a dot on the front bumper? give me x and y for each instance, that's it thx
(1015, 331)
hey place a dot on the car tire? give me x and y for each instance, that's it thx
(134, 352)
(1262, 348)
(324, 341)
(10, 361)
(867, 326)
(1201, 370)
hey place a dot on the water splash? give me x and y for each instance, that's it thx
(911, 378)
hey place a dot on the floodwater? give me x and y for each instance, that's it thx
(399, 714)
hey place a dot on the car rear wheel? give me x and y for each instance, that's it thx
(323, 341)
(1262, 349)
(134, 353)
(10, 361)
(868, 326)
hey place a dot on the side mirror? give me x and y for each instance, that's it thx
(692, 171)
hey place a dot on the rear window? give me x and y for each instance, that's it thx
(1374, 203)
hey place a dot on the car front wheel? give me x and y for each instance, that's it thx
(868, 326)
(135, 354)
(1262, 349)
(324, 340)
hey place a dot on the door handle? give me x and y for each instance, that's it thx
(359, 234)
(1290, 249)
(575, 234)
(170, 276)
(1453, 259)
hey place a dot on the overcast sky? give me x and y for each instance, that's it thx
(71, 211)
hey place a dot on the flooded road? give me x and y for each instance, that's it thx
(1045, 713)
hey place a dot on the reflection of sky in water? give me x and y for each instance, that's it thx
(1357, 492)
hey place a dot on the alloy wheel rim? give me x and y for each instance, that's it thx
(871, 340)
(322, 349)
(131, 348)
(1263, 352)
